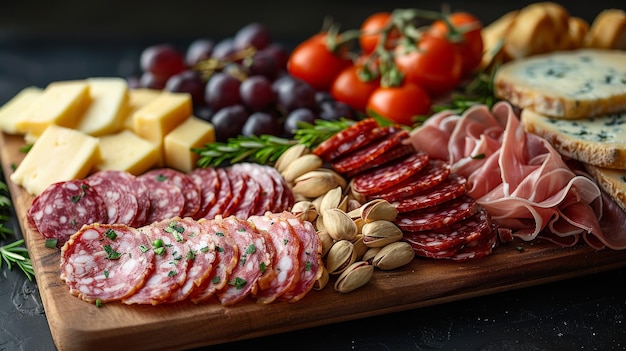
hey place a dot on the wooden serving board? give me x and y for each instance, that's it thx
(78, 325)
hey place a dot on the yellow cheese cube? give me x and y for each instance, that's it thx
(138, 98)
(193, 133)
(61, 103)
(159, 117)
(108, 108)
(59, 154)
(125, 151)
(17, 107)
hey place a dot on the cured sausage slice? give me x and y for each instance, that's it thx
(437, 216)
(207, 181)
(64, 207)
(433, 174)
(395, 153)
(189, 189)
(106, 262)
(367, 154)
(361, 140)
(286, 258)
(166, 199)
(284, 196)
(474, 228)
(477, 249)
(119, 199)
(237, 191)
(171, 265)
(127, 182)
(361, 127)
(227, 257)
(254, 270)
(310, 266)
(453, 187)
(223, 196)
(386, 176)
(267, 196)
(249, 197)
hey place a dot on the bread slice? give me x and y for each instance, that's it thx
(599, 141)
(566, 84)
(608, 30)
(612, 181)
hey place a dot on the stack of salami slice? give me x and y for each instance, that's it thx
(274, 257)
(241, 190)
(437, 217)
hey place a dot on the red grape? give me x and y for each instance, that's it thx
(222, 90)
(187, 81)
(150, 81)
(292, 93)
(262, 63)
(256, 93)
(198, 50)
(162, 60)
(255, 35)
(296, 116)
(260, 123)
(223, 49)
(228, 122)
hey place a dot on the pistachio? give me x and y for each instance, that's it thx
(355, 213)
(369, 255)
(356, 195)
(352, 205)
(326, 240)
(319, 223)
(394, 255)
(354, 277)
(359, 247)
(359, 224)
(338, 225)
(321, 282)
(314, 183)
(341, 181)
(378, 209)
(340, 256)
(343, 204)
(290, 155)
(305, 210)
(301, 165)
(331, 199)
(380, 233)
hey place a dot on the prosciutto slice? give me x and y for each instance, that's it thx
(520, 179)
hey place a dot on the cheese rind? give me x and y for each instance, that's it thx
(59, 154)
(159, 117)
(61, 103)
(16, 108)
(108, 107)
(193, 133)
(126, 151)
(599, 141)
(566, 84)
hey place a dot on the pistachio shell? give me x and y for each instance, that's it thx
(290, 155)
(354, 277)
(338, 225)
(319, 223)
(369, 255)
(359, 247)
(321, 282)
(359, 224)
(356, 195)
(341, 181)
(305, 210)
(314, 183)
(340, 256)
(331, 199)
(353, 205)
(378, 209)
(327, 241)
(380, 233)
(301, 165)
(394, 255)
(343, 204)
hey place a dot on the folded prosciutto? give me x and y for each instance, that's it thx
(522, 181)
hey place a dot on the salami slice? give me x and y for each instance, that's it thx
(64, 207)
(143, 201)
(129, 183)
(432, 175)
(207, 181)
(166, 199)
(286, 258)
(119, 199)
(227, 257)
(361, 140)
(254, 270)
(474, 228)
(437, 216)
(453, 187)
(386, 176)
(224, 195)
(477, 249)
(356, 159)
(201, 254)
(249, 198)
(189, 189)
(395, 153)
(171, 265)
(283, 194)
(237, 190)
(310, 266)
(267, 195)
(360, 127)
(106, 262)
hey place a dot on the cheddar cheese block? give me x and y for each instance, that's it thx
(566, 84)
(193, 133)
(16, 108)
(59, 154)
(126, 151)
(108, 108)
(612, 181)
(599, 141)
(61, 103)
(138, 98)
(160, 116)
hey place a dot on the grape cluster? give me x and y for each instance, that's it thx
(240, 84)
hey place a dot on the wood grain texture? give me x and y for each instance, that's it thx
(77, 325)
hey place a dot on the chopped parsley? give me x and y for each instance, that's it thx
(238, 283)
(52, 243)
(161, 178)
(171, 273)
(106, 274)
(111, 253)
(191, 255)
(143, 248)
(251, 249)
(111, 234)
(98, 303)
(307, 267)
(219, 233)
(204, 249)
(262, 267)
(215, 280)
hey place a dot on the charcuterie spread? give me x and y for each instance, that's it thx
(222, 202)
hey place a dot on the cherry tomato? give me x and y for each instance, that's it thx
(400, 103)
(312, 62)
(470, 44)
(373, 25)
(435, 65)
(349, 88)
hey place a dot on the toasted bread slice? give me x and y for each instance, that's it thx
(612, 181)
(566, 84)
(608, 30)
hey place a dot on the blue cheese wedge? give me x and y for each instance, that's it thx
(599, 141)
(612, 181)
(566, 84)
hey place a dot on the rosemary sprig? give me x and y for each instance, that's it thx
(15, 252)
(266, 149)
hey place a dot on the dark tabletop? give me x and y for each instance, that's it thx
(42, 42)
